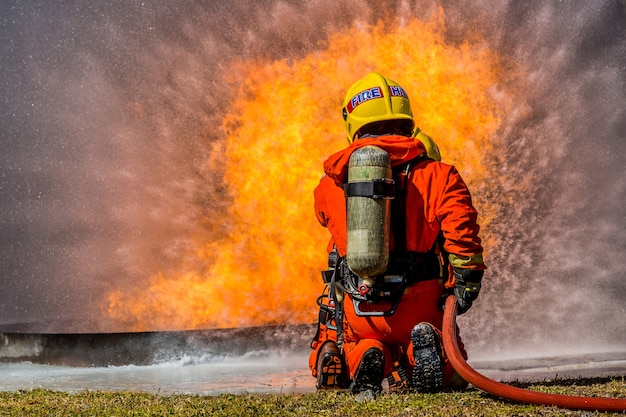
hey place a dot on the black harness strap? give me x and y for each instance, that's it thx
(401, 175)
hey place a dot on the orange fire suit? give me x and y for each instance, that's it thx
(437, 200)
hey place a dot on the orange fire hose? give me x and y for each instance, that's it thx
(509, 392)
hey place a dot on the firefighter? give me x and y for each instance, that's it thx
(433, 241)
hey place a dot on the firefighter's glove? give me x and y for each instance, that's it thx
(467, 287)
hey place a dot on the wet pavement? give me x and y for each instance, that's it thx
(264, 372)
(254, 373)
(272, 359)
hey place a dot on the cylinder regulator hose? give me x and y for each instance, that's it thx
(507, 391)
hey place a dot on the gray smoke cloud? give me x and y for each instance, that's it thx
(109, 112)
(556, 277)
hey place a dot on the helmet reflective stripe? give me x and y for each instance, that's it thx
(364, 96)
(367, 101)
(397, 91)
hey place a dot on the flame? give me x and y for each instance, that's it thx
(284, 121)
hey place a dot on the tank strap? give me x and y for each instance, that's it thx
(376, 188)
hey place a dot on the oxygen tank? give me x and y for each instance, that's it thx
(370, 188)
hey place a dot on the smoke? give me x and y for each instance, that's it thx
(110, 115)
(556, 275)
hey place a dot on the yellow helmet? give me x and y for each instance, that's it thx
(374, 98)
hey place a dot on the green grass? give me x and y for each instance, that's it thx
(471, 402)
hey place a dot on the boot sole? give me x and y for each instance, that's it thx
(428, 372)
(331, 373)
(370, 374)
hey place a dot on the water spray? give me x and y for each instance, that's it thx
(507, 391)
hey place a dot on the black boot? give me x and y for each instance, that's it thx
(428, 372)
(370, 373)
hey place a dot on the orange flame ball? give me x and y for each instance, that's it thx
(284, 121)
